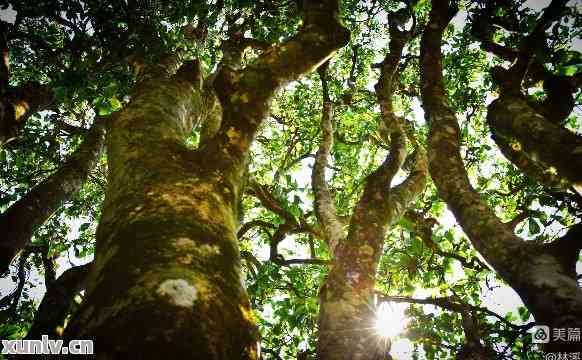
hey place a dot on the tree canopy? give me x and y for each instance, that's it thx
(380, 174)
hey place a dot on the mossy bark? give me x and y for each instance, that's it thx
(325, 211)
(18, 104)
(166, 280)
(56, 303)
(347, 309)
(557, 150)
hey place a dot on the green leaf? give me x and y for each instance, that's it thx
(104, 109)
(523, 313)
(84, 227)
(110, 90)
(416, 246)
(60, 93)
(570, 70)
(115, 104)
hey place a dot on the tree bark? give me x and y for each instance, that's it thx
(17, 104)
(19, 222)
(530, 132)
(555, 148)
(325, 211)
(166, 282)
(347, 313)
(546, 286)
(473, 349)
(167, 267)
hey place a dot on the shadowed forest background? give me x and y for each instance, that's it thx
(281, 179)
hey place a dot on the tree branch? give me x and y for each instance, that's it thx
(11, 300)
(453, 305)
(21, 219)
(423, 229)
(379, 205)
(325, 209)
(556, 148)
(493, 239)
(253, 223)
(57, 301)
(18, 104)
(245, 94)
(533, 40)
(567, 249)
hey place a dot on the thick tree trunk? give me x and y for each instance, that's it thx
(19, 221)
(347, 311)
(546, 284)
(548, 287)
(346, 316)
(167, 265)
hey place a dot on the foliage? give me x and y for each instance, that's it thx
(75, 48)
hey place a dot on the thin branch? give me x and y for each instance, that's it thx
(254, 223)
(57, 301)
(325, 209)
(454, 305)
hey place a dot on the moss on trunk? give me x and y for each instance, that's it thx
(166, 280)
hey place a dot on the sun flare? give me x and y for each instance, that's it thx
(390, 320)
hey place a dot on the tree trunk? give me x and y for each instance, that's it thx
(347, 310)
(167, 266)
(19, 222)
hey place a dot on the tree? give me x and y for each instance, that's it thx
(266, 173)
(346, 296)
(494, 240)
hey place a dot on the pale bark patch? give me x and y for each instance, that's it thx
(179, 292)
(184, 243)
(233, 135)
(248, 314)
(353, 277)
